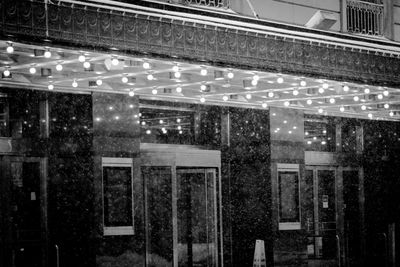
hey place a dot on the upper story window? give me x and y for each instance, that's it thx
(365, 17)
(208, 3)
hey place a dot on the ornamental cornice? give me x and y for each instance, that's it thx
(86, 27)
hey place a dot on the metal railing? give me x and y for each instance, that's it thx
(365, 17)
(208, 3)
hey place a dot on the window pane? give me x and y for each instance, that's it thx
(319, 134)
(117, 196)
(289, 197)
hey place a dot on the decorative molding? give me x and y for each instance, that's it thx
(102, 29)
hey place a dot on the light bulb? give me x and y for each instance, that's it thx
(59, 67)
(370, 115)
(270, 94)
(131, 93)
(325, 85)
(10, 49)
(86, 64)
(264, 105)
(332, 100)
(50, 86)
(154, 91)
(146, 65)
(279, 80)
(82, 58)
(202, 99)
(203, 87)
(386, 106)
(178, 120)
(203, 72)
(386, 93)
(256, 77)
(286, 103)
(321, 90)
(295, 92)
(124, 79)
(150, 77)
(248, 96)
(367, 91)
(148, 132)
(230, 75)
(74, 84)
(303, 83)
(254, 82)
(342, 109)
(161, 122)
(356, 98)
(225, 98)
(179, 89)
(320, 110)
(47, 54)
(99, 82)
(32, 70)
(309, 101)
(115, 61)
(346, 88)
(391, 114)
(175, 68)
(6, 73)
(177, 75)
(363, 107)
(380, 96)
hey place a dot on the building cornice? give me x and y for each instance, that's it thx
(174, 34)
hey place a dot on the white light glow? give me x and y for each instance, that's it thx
(386, 93)
(248, 96)
(99, 82)
(270, 94)
(74, 84)
(32, 70)
(386, 106)
(131, 93)
(10, 49)
(279, 80)
(82, 58)
(154, 91)
(225, 98)
(50, 87)
(202, 99)
(203, 87)
(370, 115)
(321, 90)
(325, 85)
(150, 77)
(332, 100)
(178, 89)
(59, 67)
(47, 54)
(346, 88)
(86, 64)
(380, 96)
(264, 105)
(356, 98)
(303, 83)
(256, 77)
(6, 73)
(177, 75)
(286, 103)
(320, 110)
(391, 113)
(309, 101)
(295, 92)
(146, 65)
(254, 82)
(367, 91)
(115, 61)
(175, 68)
(124, 79)
(363, 107)
(203, 71)
(230, 75)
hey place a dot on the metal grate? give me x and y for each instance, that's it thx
(209, 3)
(365, 17)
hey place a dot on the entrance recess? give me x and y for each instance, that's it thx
(182, 205)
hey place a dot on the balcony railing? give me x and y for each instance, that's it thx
(365, 17)
(208, 3)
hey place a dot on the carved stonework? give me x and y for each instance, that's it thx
(135, 33)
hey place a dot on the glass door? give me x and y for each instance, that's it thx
(26, 214)
(321, 212)
(197, 213)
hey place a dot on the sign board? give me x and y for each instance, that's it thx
(325, 200)
(259, 254)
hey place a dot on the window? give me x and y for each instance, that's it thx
(289, 196)
(365, 17)
(319, 133)
(117, 196)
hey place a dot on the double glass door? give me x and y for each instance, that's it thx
(182, 206)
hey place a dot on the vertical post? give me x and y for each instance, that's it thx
(57, 256)
(343, 15)
(340, 212)
(361, 199)
(392, 244)
(388, 20)
(44, 118)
